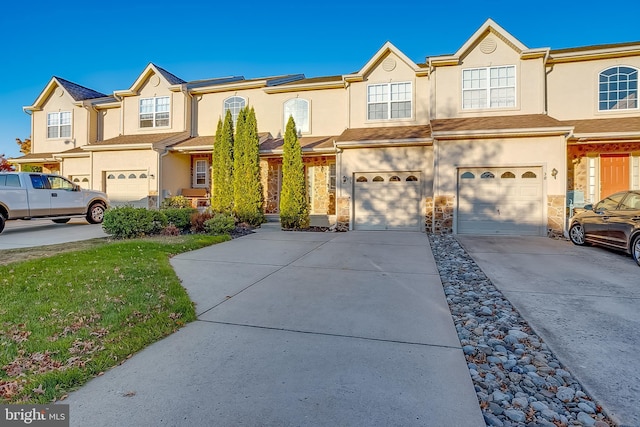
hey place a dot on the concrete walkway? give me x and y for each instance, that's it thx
(298, 329)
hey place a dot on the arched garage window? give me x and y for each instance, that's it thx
(529, 174)
(411, 178)
(467, 175)
(361, 179)
(378, 179)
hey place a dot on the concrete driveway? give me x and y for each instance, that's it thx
(298, 329)
(26, 234)
(583, 301)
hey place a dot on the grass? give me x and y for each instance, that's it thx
(69, 317)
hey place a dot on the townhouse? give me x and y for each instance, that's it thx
(496, 138)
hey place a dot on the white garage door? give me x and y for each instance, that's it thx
(500, 201)
(130, 187)
(387, 201)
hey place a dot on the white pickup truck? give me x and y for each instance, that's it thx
(31, 195)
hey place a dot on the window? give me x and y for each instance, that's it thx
(389, 101)
(395, 178)
(618, 89)
(361, 179)
(491, 87)
(9, 180)
(59, 183)
(631, 202)
(411, 178)
(200, 173)
(467, 175)
(332, 177)
(487, 175)
(507, 175)
(378, 179)
(154, 112)
(59, 125)
(39, 182)
(299, 110)
(234, 104)
(528, 175)
(610, 202)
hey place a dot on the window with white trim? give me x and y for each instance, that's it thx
(234, 104)
(297, 108)
(154, 112)
(389, 101)
(200, 173)
(618, 89)
(489, 87)
(59, 125)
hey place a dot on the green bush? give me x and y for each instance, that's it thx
(220, 224)
(177, 202)
(198, 219)
(127, 222)
(180, 217)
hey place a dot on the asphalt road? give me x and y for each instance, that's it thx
(583, 301)
(26, 234)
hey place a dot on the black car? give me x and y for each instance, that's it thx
(613, 222)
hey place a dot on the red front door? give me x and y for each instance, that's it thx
(614, 173)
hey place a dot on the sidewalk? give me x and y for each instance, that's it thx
(299, 328)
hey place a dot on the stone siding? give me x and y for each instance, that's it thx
(342, 215)
(556, 214)
(439, 214)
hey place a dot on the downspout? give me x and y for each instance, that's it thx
(162, 154)
(29, 113)
(545, 76)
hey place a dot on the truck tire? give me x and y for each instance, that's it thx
(1, 223)
(95, 214)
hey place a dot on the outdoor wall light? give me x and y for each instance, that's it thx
(344, 178)
(554, 173)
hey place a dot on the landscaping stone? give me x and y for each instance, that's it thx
(518, 380)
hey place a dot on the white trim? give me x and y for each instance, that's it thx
(617, 110)
(194, 178)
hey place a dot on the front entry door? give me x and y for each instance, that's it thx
(614, 173)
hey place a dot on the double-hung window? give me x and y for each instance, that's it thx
(298, 109)
(618, 89)
(154, 112)
(389, 101)
(59, 125)
(489, 87)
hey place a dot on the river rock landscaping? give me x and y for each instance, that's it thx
(518, 380)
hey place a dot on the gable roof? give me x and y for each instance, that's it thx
(171, 78)
(77, 92)
(386, 48)
(151, 68)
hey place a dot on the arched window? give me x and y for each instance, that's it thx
(132, 176)
(76, 179)
(378, 179)
(111, 176)
(411, 178)
(486, 175)
(395, 178)
(234, 104)
(361, 179)
(85, 179)
(297, 108)
(507, 175)
(143, 175)
(467, 175)
(121, 176)
(529, 174)
(618, 89)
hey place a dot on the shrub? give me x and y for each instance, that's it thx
(294, 209)
(170, 230)
(220, 224)
(127, 222)
(180, 217)
(198, 219)
(177, 202)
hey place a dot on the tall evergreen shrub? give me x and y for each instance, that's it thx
(294, 209)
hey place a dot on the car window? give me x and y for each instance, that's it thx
(59, 183)
(12, 180)
(631, 202)
(610, 202)
(39, 182)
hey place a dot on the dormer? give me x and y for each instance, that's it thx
(492, 73)
(156, 102)
(61, 116)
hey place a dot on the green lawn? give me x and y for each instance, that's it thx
(67, 318)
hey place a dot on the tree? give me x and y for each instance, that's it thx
(25, 146)
(5, 166)
(222, 196)
(294, 210)
(247, 188)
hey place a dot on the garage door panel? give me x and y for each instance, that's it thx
(509, 203)
(128, 187)
(390, 204)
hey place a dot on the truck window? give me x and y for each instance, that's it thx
(39, 182)
(10, 180)
(59, 183)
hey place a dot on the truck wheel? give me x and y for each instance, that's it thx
(61, 220)
(95, 215)
(1, 223)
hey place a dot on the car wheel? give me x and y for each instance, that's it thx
(576, 234)
(635, 249)
(61, 220)
(96, 213)
(1, 223)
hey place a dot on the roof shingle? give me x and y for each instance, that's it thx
(386, 133)
(525, 121)
(77, 92)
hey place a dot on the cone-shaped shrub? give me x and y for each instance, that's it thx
(222, 200)
(294, 210)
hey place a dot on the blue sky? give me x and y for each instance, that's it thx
(106, 45)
